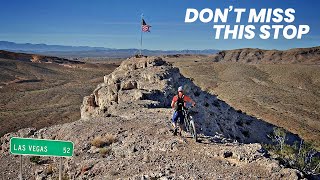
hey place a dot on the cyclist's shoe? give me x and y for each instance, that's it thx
(175, 132)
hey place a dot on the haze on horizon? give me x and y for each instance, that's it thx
(116, 24)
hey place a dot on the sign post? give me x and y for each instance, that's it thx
(60, 169)
(20, 175)
(41, 147)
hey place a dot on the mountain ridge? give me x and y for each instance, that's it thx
(36, 58)
(256, 56)
(87, 51)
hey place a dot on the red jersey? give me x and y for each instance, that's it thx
(185, 98)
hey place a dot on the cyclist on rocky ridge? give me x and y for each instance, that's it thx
(178, 102)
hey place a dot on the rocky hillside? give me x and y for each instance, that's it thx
(124, 132)
(37, 95)
(256, 56)
(35, 58)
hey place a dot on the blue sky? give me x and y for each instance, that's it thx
(116, 23)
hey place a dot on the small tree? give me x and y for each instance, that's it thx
(305, 159)
(279, 136)
(316, 169)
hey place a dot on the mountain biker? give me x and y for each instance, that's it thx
(178, 102)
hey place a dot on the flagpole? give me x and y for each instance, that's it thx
(141, 35)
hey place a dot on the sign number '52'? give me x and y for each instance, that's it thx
(66, 150)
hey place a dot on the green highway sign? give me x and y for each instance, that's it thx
(40, 147)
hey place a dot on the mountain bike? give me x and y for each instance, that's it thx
(188, 124)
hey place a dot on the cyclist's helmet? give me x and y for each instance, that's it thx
(180, 89)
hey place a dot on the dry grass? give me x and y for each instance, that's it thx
(110, 139)
(49, 169)
(105, 151)
(98, 142)
(101, 141)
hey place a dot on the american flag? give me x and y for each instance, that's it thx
(145, 27)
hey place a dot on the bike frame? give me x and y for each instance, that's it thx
(186, 118)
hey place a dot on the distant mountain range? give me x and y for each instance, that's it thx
(86, 51)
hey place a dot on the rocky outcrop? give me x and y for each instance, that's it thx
(144, 81)
(256, 56)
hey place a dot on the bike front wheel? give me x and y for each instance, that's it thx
(187, 124)
(193, 131)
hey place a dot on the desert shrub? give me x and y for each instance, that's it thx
(35, 159)
(98, 141)
(278, 136)
(109, 138)
(49, 169)
(301, 155)
(305, 158)
(101, 141)
(105, 151)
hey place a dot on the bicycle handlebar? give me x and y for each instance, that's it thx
(188, 108)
